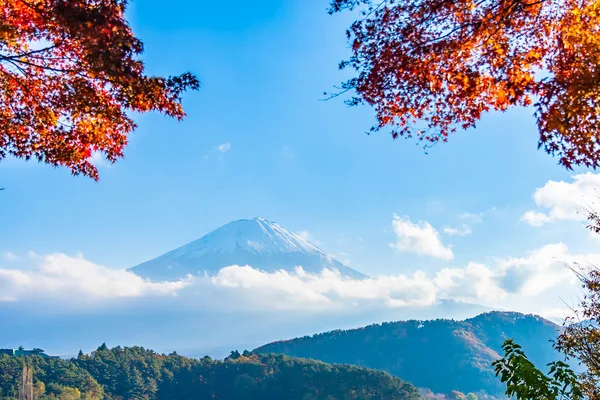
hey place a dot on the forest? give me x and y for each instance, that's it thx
(136, 373)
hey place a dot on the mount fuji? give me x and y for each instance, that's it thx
(259, 243)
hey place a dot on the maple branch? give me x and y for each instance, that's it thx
(27, 54)
(346, 87)
(60, 70)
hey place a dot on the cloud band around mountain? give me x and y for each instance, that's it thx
(67, 281)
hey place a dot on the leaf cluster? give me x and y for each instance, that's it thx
(430, 67)
(525, 382)
(70, 76)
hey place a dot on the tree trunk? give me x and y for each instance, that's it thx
(26, 387)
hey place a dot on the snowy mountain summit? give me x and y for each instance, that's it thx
(259, 243)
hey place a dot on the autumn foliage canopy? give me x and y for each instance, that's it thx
(429, 67)
(69, 75)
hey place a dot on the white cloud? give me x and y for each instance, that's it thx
(223, 148)
(74, 280)
(460, 231)
(419, 238)
(519, 282)
(542, 269)
(62, 276)
(328, 289)
(564, 200)
(527, 281)
(535, 218)
(475, 282)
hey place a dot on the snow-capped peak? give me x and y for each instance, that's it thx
(257, 242)
(256, 235)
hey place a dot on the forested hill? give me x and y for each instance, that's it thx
(136, 374)
(442, 355)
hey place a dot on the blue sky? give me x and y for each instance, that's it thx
(293, 158)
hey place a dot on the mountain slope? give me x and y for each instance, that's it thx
(442, 355)
(137, 373)
(257, 242)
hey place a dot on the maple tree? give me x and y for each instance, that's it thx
(70, 75)
(429, 67)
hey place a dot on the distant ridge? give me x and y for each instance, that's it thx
(442, 355)
(256, 242)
